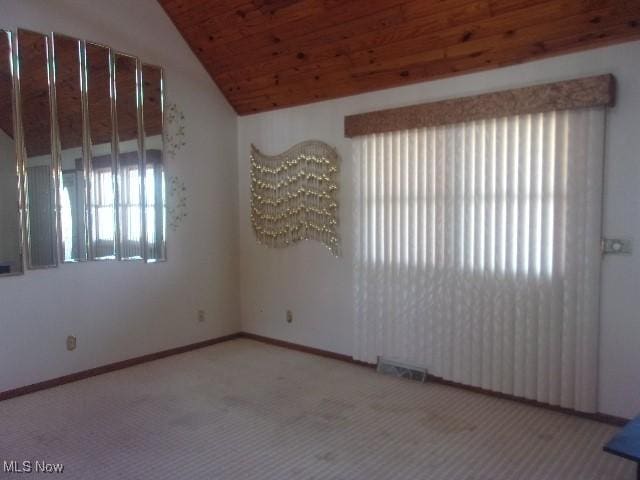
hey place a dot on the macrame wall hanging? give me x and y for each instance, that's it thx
(293, 195)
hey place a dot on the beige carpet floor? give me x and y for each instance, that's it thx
(244, 410)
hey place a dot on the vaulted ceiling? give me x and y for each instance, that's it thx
(268, 54)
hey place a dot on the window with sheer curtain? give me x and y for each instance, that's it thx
(478, 252)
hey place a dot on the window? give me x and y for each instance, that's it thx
(477, 252)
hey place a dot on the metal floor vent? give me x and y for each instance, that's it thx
(388, 366)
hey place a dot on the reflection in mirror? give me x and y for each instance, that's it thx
(130, 189)
(71, 192)
(10, 229)
(35, 108)
(102, 213)
(154, 188)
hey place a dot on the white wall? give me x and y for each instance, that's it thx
(318, 287)
(120, 310)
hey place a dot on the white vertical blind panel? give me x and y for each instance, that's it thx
(477, 252)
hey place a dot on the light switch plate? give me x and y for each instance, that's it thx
(617, 246)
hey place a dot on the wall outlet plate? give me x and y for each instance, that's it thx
(617, 246)
(289, 316)
(71, 342)
(201, 316)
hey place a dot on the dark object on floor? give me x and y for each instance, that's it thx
(626, 443)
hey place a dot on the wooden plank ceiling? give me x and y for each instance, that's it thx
(268, 54)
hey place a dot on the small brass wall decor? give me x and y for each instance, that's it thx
(176, 203)
(174, 136)
(293, 195)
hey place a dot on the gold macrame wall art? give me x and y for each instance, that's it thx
(293, 195)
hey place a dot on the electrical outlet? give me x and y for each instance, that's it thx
(201, 316)
(71, 342)
(617, 246)
(289, 316)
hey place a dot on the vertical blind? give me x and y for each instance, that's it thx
(103, 214)
(478, 252)
(40, 215)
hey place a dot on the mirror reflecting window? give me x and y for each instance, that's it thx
(82, 168)
(35, 108)
(154, 183)
(10, 229)
(101, 188)
(71, 188)
(130, 186)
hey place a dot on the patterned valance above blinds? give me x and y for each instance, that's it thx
(565, 95)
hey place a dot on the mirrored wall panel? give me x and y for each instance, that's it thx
(71, 170)
(103, 226)
(130, 184)
(82, 167)
(10, 228)
(153, 141)
(35, 110)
